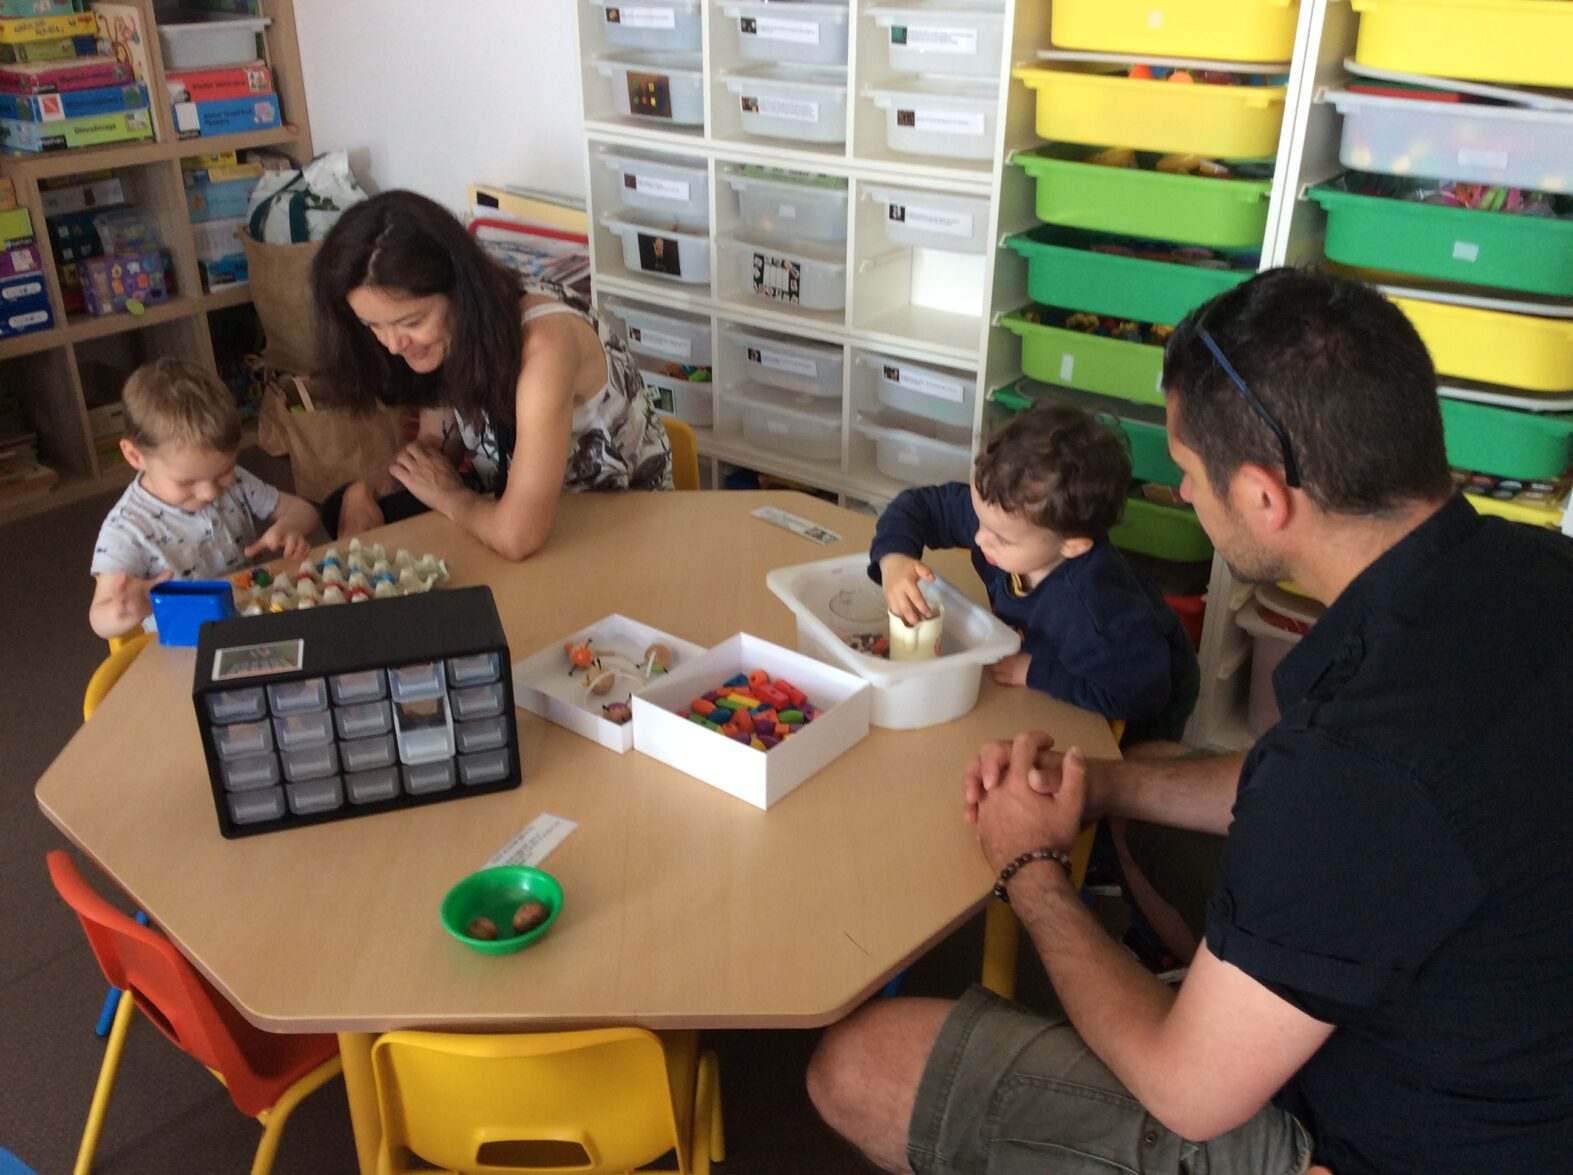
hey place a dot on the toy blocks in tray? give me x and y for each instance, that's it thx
(331, 713)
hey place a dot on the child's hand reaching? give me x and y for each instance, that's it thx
(120, 602)
(900, 575)
(282, 537)
(1011, 670)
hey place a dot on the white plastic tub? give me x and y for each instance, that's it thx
(786, 102)
(809, 369)
(917, 451)
(674, 338)
(652, 246)
(966, 40)
(788, 273)
(931, 220)
(651, 24)
(1505, 145)
(937, 394)
(685, 399)
(811, 34)
(951, 119)
(668, 88)
(1273, 642)
(665, 187)
(834, 599)
(198, 40)
(794, 426)
(814, 211)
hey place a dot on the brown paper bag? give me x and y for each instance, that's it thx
(327, 446)
(280, 277)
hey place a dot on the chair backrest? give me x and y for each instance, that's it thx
(594, 1100)
(122, 651)
(167, 988)
(685, 453)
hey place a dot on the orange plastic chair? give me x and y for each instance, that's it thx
(685, 454)
(267, 1074)
(605, 1099)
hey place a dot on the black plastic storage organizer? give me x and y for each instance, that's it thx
(344, 711)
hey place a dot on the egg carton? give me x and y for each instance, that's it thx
(364, 573)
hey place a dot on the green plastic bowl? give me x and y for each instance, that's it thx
(496, 893)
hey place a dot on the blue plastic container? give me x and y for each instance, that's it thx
(182, 606)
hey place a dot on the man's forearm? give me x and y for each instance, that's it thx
(1195, 792)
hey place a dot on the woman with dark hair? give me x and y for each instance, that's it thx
(518, 382)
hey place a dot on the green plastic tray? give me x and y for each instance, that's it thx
(1164, 532)
(1090, 363)
(1063, 270)
(1150, 460)
(1138, 202)
(1505, 442)
(1498, 249)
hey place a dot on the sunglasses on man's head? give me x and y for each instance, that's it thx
(1291, 470)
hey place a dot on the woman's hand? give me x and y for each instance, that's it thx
(358, 511)
(430, 476)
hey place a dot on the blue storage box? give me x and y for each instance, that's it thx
(227, 116)
(25, 317)
(23, 289)
(182, 606)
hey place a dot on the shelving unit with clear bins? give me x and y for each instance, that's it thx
(54, 368)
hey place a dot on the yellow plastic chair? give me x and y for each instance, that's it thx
(123, 651)
(685, 454)
(606, 1099)
(1002, 931)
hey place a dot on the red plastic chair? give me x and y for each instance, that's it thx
(267, 1074)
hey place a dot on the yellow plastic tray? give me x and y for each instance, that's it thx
(1227, 122)
(1522, 42)
(1230, 30)
(1494, 346)
(1548, 516)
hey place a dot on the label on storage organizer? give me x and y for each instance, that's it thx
(773, 28)
(925, 382)
(943, 122)
(777, 361)
(929, 39)
(650, 94)
(1067, 368)
(780, 278)
(660, 255)
(1496, 160)
(642, 16)
(795, 109)
(1466, 251)
(661, 343)
(258, 660)
(649, 185)
(932, 220)
(1155, 18)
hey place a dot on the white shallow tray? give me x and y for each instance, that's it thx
(543, 685)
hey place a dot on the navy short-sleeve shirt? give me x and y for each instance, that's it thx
(1400, 863)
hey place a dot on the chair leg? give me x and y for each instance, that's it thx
(708, 1140)
(274, 1117)
(1001, 934)
(106, 1083)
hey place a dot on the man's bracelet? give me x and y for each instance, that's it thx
(1010, 870)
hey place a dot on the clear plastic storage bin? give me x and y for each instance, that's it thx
(651, 24)
(238, 705)
(786, 102)
(421, 778)
(320, 795)
(369, 787)
(788, 273)
(933, 220)
(918, 451)
(304, 730)
(669, 89)
(809, 369)
(811, 207)
(476, 669)
(944, 38)
(655, 247)
(951, 119)
(366, 686)
(201, 40)
(362, 721)
(671, 337)
(298, 697)
(252, 807)
(368, 754)
(692, 402)
(794, 426)
(806, 33)
(945, 397)
(248, 774)
(666, 188)
(483, 767)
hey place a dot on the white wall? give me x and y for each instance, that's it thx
(436, 94)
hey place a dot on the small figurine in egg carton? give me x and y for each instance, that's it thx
(366, 573)
(604, 668)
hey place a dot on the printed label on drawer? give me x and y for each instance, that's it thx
(258, 660)
(1466, 251)
(1496, 160)
(650, 94)
(786, 212)
(661, 343)
(774, 28)
(932, 220)
(1067, 368)
(941, 122)
(929, 39)
(649, 185)
(642, 17)
(779, 361)
(795, 109)
(925, 382)
(780, 278)
(660, 255)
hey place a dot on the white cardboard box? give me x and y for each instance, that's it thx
(543, 685)
(760, 777)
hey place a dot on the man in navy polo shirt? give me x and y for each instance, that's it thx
(1386, 980)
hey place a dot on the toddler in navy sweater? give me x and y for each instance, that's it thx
(1096, 631)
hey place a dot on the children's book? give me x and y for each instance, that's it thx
(233, 116)
(32, 137)
(121, 36)
(75, 104)
(215, 85)
(14, 8)
(60, 77)
(57, 49)
(20, 30)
